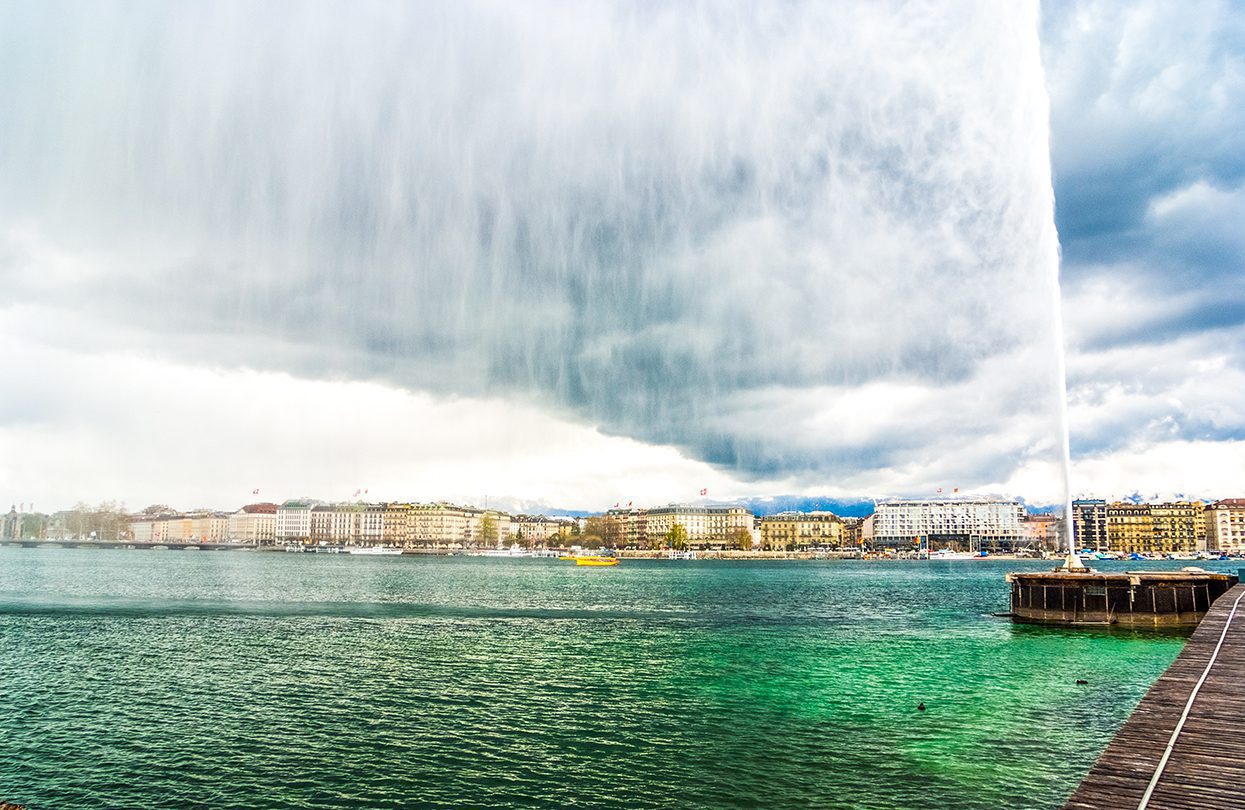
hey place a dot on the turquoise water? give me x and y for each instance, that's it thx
(254, 680)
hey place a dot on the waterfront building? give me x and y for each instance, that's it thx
(141, 529)
(789, 531)
(1179, 526)
(396, 530)
(1163, 528)
(538, 530)
(294, 521)
(853, 532)
(1130, 528)
(335, 523)
(156, 528)
(963, 524)
(179, 529)
(194, 527)
(254, 523)
(628, 528)
(209, 527)
(321, 523)
(488, 527)
(706, 526)
(1042, 531)
(371, 525)
(451, 526)
(440, 524)
(1224, 525)
(1089, 517)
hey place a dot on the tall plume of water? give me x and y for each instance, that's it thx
(809, 242)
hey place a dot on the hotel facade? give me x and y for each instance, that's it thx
(791, 531)
(960, 524)
(705, 526)
(1161, 528)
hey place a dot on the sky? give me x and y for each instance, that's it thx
(547, 256)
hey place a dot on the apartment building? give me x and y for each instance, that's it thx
(538, 530)
(1162, 528)
(1089, 519)
(254, 523)
(789, 531)
(706, 526)
(1224, 525)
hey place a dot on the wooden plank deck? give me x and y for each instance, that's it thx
(1206, 767)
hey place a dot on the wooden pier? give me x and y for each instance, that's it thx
(1184, 745)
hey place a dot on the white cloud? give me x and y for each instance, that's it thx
(1164, 469)
(133, 428)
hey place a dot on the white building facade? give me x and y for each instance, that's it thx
(963, 524)
(1225, 525)
(254, 523)
(294, 521)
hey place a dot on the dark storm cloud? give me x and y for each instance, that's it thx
(1147, 99)
(1147, 108)
(703, 226)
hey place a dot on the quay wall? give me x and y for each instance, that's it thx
(1149, 599)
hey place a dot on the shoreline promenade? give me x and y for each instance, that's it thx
(1182, 747)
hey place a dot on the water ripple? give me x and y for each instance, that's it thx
(134, 680)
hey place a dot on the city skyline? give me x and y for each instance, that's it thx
(757, 505)
(159, 346)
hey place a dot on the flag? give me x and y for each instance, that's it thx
(704, 492)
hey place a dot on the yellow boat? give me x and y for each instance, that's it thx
(596, 561)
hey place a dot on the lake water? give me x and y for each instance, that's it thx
(258, 680)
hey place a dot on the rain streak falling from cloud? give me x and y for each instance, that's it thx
(801, 242)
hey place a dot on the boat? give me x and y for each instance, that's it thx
(375, 550)
(515, 550)
(595, 560)
(948, 554)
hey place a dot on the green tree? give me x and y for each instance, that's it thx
(488, 529)
(741, 539)
(676, 538)
(596, 532)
